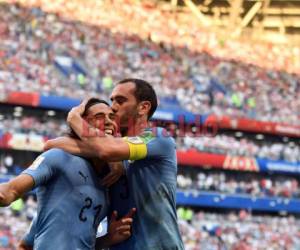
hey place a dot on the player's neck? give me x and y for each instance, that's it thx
(136, 128)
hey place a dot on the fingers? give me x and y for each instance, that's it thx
(46, 146)
(130, 213)
(115, 164)
(110, 179)
(122, 224)
(107, 179)
(126, 234)
(49, 144)
(83, 103)
(116, 170)
(124, 229)
(80, 108)
(127, 221)
(114, 216)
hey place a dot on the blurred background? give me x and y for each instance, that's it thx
(231, 65)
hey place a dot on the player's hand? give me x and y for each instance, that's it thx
(50, 144)
(116, 171)
(120, 230)
(59, 142)
(23, 246)
(77, 111)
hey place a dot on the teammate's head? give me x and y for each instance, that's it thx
(133, 98)
(97, 113)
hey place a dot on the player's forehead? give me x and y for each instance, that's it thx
(123, 90)
(99, 108)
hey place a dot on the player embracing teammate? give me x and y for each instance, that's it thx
(149, 158)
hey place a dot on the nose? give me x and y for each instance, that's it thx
(115, 107)
(107, 121)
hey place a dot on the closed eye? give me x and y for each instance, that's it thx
(112, 116)
(119, 99)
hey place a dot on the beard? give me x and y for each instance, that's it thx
(128, 122)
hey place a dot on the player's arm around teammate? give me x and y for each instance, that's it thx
(107, 148)
(78, 147)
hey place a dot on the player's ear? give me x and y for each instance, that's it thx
(144, 108)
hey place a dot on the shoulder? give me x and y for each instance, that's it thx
(54, 156)
(159, 137)
(154, 133)
(149, 135)
(161, 134)
(55, 152)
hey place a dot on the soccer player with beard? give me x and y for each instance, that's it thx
(151, 169)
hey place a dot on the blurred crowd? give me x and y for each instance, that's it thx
(184, 62)
(199, 230)
(228, 144)
(160, 22)
(32, 42)
(14, 222)
(219, 144)
(239, 184)
(33, 126)
(238, 231)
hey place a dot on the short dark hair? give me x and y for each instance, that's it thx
(143, 92)
(91, 102)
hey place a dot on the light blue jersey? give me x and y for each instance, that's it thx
(71, 202)
(150, 186)
(29, 236)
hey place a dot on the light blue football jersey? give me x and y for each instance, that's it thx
(150, 187)
(71, 201)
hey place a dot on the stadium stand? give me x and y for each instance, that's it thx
(49, 61)
(239, 231)
(223, 143)
(255, 185)
(200, 229)
(57, 56)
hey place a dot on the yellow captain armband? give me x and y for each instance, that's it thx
(137, 148)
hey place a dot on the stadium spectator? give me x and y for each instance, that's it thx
(207, 76)
(238, 184)
(35, 43)
(226, 144)
(207, 230)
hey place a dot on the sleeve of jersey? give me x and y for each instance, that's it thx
(137, 148)
(28, 238)
(41, 170)
(147, 145)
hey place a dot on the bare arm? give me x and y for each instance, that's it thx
(14, 189)
(71, 146)
(106, 148)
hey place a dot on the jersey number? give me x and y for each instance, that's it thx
(88, 205)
